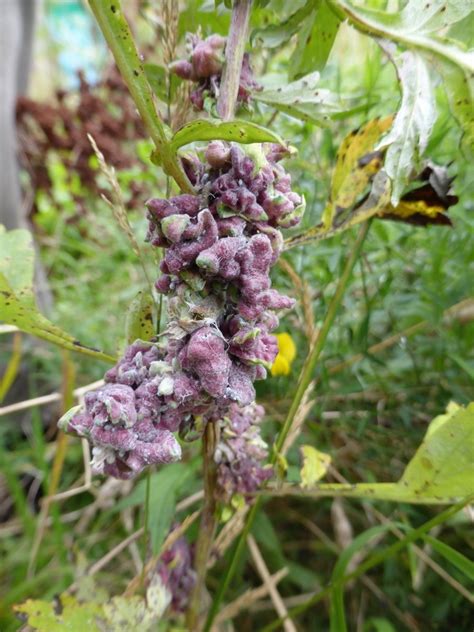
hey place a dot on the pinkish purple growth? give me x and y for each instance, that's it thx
(175, 569)
(124, 440)
(219, 246)
(241, 452)
(204, 67)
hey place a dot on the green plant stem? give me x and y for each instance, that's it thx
(372, 561)
(234, 52)
(146, 530)
(307, 372)
(305, 378)
(207, 527)
(115, 28)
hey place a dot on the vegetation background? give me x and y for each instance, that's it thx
(369, 415)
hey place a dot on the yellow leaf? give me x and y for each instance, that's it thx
(315, 465)
(356, 164)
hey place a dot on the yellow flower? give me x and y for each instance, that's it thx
(286, 355)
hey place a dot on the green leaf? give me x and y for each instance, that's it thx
(378, 624)
(441, 471)
(277, 34)
(123, 614)
(463, 31)
(156, 76)
(459, 86)
(337, 614)
(303, 100)
(315, 465)
(443, 466)
(457, 559)
(413, 26)
(139, 319)
(237, 131)
(413, 123)
(114, 26)
(315, 40)
(17, 259)
(74, 617)
(164, 485)
(17, 302)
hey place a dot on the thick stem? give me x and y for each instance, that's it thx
(225, 106)
(305, 378)
(208, 525)
(234, 53)
(116, 31)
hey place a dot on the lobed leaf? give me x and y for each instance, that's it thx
(411, 129)
(73, 616)
(304, 100)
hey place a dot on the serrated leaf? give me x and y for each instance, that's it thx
(277, 34)
(139, 319)
(407, 139)
(315, 465)
(123, 614)
(315, 40)
(17, 302)
(74, 616)
(413, 27)
(237, 131)
(303, 99)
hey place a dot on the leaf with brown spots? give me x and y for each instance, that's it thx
(440, 472)
(139, 321)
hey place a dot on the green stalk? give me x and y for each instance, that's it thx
(372, 561)
(305, 378)
(234, 52)
(115, 28)
(207, 528)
